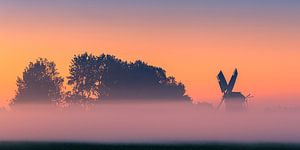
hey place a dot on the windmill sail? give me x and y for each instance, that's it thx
(232, 81)
(234, 101)
(222, 82)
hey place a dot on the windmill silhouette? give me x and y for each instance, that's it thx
(234, 101)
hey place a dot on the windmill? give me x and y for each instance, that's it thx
(234, 101)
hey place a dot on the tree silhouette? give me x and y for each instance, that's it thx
(40, 83)
(107, 77)
(84, 76)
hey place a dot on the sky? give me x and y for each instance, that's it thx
(191, 39)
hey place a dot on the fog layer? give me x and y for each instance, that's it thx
(147, 123)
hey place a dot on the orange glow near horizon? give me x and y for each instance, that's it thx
(266, 52)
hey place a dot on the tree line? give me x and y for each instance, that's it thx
(96, 78)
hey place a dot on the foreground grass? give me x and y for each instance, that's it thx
(85, 146)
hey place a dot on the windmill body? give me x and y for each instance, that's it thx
(234, 101)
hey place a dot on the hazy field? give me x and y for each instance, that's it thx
(147, 123)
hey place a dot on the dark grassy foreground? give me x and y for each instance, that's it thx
(85, 146)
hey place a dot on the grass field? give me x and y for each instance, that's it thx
(86, 146)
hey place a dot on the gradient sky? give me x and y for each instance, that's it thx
(191, 39)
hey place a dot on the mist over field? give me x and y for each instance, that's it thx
(156, 122)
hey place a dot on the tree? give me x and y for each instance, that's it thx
(113, 72)
(107, 77)
(84, 76)
(40, 83)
